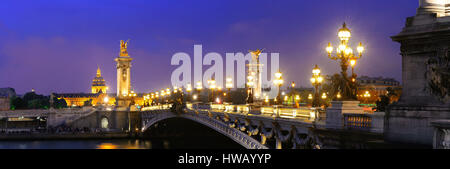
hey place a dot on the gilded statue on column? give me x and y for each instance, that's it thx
(123, 48)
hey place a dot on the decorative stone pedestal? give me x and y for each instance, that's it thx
(123, 102)
(335, 113)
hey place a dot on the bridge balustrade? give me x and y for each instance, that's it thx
(357, 121)
(289, 112)
(277, 112)
(157, 107)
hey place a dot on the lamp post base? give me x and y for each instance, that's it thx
(335, 113)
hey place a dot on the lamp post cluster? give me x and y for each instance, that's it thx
(345, 55)
(367, 96)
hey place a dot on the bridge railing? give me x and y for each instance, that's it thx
(373, 122)
(157, 107)
(275, 111)
(357, 121)
(285, 112)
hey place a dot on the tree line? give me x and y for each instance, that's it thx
(31, 100)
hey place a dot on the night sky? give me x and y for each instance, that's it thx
(55, 46)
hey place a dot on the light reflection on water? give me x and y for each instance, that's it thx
(80, 144)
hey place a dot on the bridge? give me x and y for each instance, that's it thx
(252, 127)
(291, 127)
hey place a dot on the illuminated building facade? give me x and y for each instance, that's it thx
(376, 87)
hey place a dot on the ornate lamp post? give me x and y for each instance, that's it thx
(229, 85)
(292, 92)
(346, 56)
(163, 94)
(157, 98)
(219, 94)
(199, 88)
(152, 96)
(366, 96)
(316, 81)
(188, 90)
(212, 86)
(168, 93)
(278, 82)
(250, 85)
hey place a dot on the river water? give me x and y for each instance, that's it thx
(168, 134)
(84, 144)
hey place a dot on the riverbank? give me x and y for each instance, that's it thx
(69, 136)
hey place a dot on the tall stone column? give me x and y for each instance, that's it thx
(123, 76)
(432, 6)
(425, 51)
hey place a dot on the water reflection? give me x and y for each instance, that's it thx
(106, 146)
(79, 144)
(130, 144)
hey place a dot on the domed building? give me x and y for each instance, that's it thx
(98, 83)
(97, 96)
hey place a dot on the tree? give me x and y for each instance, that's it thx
(382, 103)
(18, 103)
(42, 103)
(59, 103)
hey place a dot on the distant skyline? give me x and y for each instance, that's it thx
(55, 46)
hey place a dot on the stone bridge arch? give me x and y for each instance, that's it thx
(153, 117)
(239, 130)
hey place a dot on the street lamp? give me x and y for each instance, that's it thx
(316, 81)
(366, 96)
(278, 82)
(324, 96)
(229, 85)
(199, 86)
(212, 86)
(157, 97)
(346, 56)
(338, 96)
(188, 90)
(194, 97)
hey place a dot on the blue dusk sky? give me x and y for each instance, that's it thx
(55, 45)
